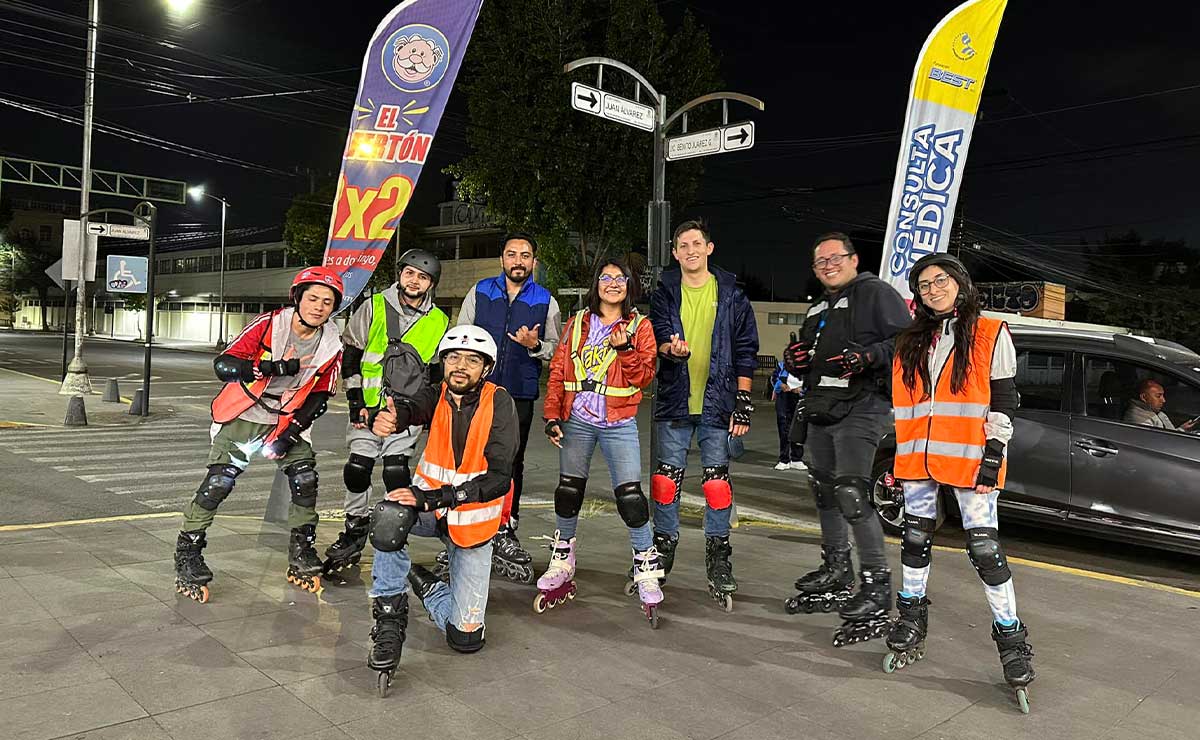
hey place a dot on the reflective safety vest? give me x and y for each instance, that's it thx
(423, 336)
(582, 382)
(943, 437)
(468, 524)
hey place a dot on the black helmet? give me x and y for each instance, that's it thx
(423, 261)
(953, 265)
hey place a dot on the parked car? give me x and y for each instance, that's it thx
(1074, 461)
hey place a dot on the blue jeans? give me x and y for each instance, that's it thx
(674, 441)
(622, 451)
(463, 601)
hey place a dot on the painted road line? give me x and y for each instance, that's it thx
(117, 464)
(85, 432)
(74, 522)
(196, 447)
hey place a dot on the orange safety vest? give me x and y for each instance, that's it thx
(468, 524)
(943, 437)
(235, 399)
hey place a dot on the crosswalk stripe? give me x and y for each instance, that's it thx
(132, 429)
(180, 502)
(184, 465)
(191, 447)
(265, 475)
(39, 436)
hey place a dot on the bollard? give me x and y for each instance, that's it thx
(112, 391)
(135, 408)
(280, 501)
(76, 413)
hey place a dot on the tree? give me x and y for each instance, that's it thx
(29, 263)
(306, 228)
(580, 184)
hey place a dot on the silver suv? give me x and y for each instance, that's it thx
(1077, 458)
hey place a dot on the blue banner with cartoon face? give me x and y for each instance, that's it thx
(407, 76)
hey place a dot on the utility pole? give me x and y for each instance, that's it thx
(76, 381)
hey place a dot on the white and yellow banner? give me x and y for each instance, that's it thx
(942, 102)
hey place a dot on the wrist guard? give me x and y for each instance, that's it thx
(743, 407)
(989, 468)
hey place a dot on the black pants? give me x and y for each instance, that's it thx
(524, 420)
(785, 409)
(847, 448)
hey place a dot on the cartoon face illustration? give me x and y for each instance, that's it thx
(415, 57)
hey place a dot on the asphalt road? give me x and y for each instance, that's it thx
(69, 474)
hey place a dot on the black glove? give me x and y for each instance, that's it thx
(278, 367)
(356, 402)
(854, 360)
(286, 441)
(743, 407)
(430, 500)
(797, 357)
(553, 427)
(993, 458)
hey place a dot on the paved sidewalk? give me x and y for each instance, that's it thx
(32, 401)
(96, 644)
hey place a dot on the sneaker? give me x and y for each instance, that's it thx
(781, 465)
(797, 465)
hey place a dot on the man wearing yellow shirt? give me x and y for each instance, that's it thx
(708, 346)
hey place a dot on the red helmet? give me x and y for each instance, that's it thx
(318, 276)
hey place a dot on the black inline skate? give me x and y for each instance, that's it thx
(721, 585)
(1015, 654)
(509, 559)
(387, 638)
(192, 574)
(304, 564)
(825, 589)
(347, 550)
(906, 636)
(866, 613)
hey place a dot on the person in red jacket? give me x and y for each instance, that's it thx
(604, 360)
(279, 375)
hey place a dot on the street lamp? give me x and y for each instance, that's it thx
(198, 193)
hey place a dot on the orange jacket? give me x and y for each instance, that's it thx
(943, 437)
(630, 369)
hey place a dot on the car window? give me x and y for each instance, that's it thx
(1112, 390)
(1040, 379)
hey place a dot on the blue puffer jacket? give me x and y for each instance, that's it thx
(515, 370)
(734, 349)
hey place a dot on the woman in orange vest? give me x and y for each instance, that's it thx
(461, 487)
(279, 373)
(955, 397)
(605, 358)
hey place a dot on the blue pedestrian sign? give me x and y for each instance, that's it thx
(126, 274)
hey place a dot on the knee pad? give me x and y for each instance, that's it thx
(918, 539)
(395, 472)
(718, 494)
(464, 642)
(302, 477)
(568, 497)
(357, 473)
(390, 525)
(850, 492)
(632, 504)
(666, 484)
(983, 547)
(216, 486)
(822, 487)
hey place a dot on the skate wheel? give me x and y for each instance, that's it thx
(652, 616)
(1023, 700)
(202, 595)
(889, 663)
(383, 684)
(630, 588)
(539, 603)
(902, 660)
(726, 602)
(571, 593)
(919, 654)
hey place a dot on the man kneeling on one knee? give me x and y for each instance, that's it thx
(458, 495)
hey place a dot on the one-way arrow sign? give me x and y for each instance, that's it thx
(586, 99)
(739, 136)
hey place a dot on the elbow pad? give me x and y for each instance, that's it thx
(351, 361)
(232, 369)
(1005, 398)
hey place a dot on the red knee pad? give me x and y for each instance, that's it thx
(662, 489)
(718, 494)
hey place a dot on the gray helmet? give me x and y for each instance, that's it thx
(952, 264)
(423, 261)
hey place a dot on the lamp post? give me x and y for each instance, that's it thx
(197, 193)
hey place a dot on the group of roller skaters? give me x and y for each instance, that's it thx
(948, 375)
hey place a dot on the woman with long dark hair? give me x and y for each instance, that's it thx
(605, 359)
(954, 395)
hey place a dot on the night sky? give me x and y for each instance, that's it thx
(1090, 122)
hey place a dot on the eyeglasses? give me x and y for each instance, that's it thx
(615, 279)
(833, 260)
(941, 281)
(470, 359)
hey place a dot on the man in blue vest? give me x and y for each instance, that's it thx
(526, 322)
(389, 343)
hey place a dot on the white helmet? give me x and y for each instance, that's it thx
(469, 337)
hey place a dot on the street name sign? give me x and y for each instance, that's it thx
(730, 138)
(120, 231)
(613, 107)
(126, 274)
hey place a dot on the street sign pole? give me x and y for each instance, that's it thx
(66, 313)
(148, 212)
